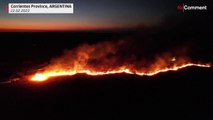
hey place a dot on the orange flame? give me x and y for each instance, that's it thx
(109, 58)
(39, 77)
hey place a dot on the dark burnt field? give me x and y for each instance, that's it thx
(185, 94)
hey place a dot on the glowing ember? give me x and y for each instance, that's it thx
(39, 77)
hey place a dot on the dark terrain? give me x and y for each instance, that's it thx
(185, 94)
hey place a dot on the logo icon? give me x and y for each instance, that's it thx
(191, 7)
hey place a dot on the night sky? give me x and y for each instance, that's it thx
(92, 14)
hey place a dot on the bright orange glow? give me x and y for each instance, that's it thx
(39, 78)
(39, 25)
(54, 73)
(104, 58)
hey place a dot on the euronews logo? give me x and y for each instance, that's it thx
(191, 7)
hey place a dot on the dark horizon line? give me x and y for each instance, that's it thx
(71, 30)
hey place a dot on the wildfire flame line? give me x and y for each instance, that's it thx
(39, 77)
